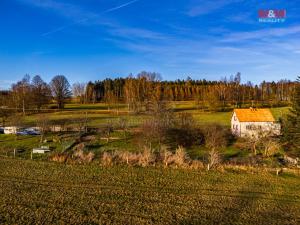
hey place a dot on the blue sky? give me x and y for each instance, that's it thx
(94, 39)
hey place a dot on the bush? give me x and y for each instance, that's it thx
(196, 165)
(81, 157)
(127, 157)
(214, 159)
(59, 157)
(107, 159)
(184, 136)
(166, 157)
(216, 136)
(271, 147)
(146, 158)
(152, 131)
(180, 157)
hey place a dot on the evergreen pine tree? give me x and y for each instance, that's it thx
(291, 126)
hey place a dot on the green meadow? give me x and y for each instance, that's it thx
(99, 116)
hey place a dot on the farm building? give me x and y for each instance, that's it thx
(253, 122)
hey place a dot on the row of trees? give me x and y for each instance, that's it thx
(146, 91)
(35, 93)
(145, 87)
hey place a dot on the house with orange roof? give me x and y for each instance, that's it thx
(253, 122)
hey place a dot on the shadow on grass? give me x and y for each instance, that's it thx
(244, 207)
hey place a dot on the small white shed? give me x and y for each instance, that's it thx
(41, 150)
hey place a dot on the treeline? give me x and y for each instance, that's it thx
(146, 91)
(34, 94)
(147, 87)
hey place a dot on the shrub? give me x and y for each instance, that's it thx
(107, 159)
(216, 136)
(184, 136)
(180, 157)
(146, 158)
(196, 165)
(166, 156)
(90, 156)
(59, 157)
(81, 157)
(271, 147)
(79, 147)
(185, 120)
(127, 157)
(214, 159)
(152, 132)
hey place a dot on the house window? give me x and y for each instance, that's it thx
(252, 127)
(248, 127)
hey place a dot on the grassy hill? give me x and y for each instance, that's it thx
(98, 114)
(42, 192)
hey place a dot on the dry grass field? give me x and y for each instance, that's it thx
(35, 192)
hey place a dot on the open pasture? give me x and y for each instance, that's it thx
(42, 192)
(99, 114)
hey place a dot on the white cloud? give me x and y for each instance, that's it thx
(263, 33)
(199, 8)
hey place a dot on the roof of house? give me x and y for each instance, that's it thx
(254, 115)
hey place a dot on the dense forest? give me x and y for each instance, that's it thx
(209, 95)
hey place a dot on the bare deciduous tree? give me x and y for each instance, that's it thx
(4, 110)
(108, 129)
(123, 124)
(271, 147)
(60, 89)
(78, 90)
(21, 94)
(81, 121)
(41, 92)
(213, 159)
(216, 137)
(43, 125)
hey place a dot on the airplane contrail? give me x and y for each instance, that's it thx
(83, 20)
(120, 6)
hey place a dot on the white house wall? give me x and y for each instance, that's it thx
(261, 127)
(235, 125)
(240, 128)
